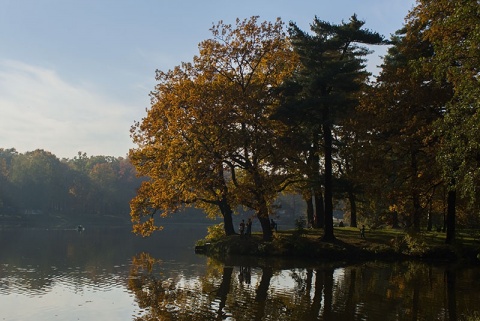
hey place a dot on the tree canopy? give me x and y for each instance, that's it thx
(263, 109)
(37, 182)
(207, 139)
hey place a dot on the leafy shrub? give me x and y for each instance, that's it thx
(415, 244)
(412, 244)
(398, 244)
(215, 232)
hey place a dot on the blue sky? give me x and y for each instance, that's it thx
(76, 74)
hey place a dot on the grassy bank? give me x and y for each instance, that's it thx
(388, 244)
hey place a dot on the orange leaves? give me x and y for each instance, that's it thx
(146, 228)
(209, 123)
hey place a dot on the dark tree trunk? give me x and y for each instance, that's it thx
(314, 161)
(319, 209)
(450, 220)
(328, 235)
(353, 208)
(264, 220)
(227, 217)
(266, 228)
(309, 202)
(224, 205)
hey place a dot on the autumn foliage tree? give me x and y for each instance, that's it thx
(258, 112)
(178, 150)
(396, 126)
(84, 186)
(208, 139)
(421, 116)
(453, 28)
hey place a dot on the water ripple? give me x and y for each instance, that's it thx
(35, 281)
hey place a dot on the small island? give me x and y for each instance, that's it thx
(348, 246)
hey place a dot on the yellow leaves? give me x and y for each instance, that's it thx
(246, 54)
(146, 228)
(207, 113)
(393, 208)
(453, 29)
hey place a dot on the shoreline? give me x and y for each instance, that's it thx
(387, 245)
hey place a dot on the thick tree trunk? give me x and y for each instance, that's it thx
(328, 235)
(227, 217)
(224, 205)
(319, 209)
(264, 220)
(266, 228)
(314, 165)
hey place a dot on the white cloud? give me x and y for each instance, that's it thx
(39, 109)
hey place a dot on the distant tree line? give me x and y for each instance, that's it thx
(263, 109)
(37, 182)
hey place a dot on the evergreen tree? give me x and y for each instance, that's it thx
(325, 89)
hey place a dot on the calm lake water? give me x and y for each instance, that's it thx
(108, 274)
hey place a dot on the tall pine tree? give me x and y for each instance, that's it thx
(325, 90)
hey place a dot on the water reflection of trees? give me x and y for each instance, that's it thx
(371, 291)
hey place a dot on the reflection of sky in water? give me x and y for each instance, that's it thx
(28, 293)
(66, 297)
(65, 275)
(284, 281)
(68, 276)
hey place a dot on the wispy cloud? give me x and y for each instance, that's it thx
(39, 109)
